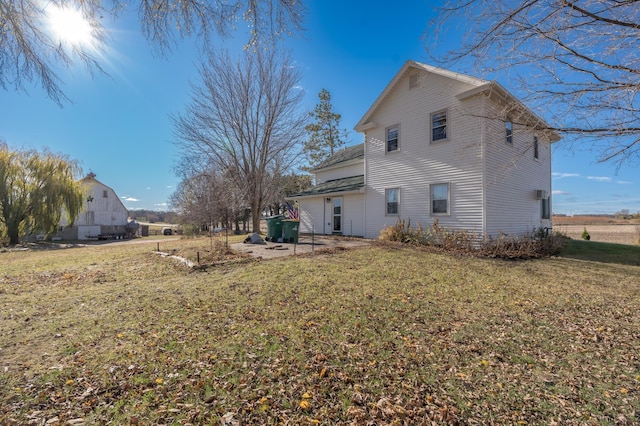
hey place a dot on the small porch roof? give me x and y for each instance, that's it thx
(334, 186)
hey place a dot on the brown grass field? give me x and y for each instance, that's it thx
(600, 228)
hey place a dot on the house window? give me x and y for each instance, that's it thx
(536, 150)
(392, 138)
(546, 208)
(439, 126)
(440, 198)
(104, 194)
(509, 129)
(392, 197)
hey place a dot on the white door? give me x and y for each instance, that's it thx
(337, 216)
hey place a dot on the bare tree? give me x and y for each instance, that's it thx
(577, 62)
(245, 118)
(29, 53)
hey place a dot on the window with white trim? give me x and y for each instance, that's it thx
(439, 126)
(545, 208)
(392, 138)
(439, 198)
(392, 197)
(509, 131)
(536, 148)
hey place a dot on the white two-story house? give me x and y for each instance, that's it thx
(437, 145)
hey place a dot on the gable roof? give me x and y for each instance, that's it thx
(364, 122)
(355, 152)
(490, 88)
(90, 180)
(348, 184)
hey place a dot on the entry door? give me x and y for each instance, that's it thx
(337, 215)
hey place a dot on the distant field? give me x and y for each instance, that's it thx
(600, 228)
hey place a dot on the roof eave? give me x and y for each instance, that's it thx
(327, 195)
(494, 88)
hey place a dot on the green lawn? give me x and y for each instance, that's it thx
(378, 335)
(602, 252)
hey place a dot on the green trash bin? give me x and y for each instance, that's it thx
(290, 230)
(274, 227)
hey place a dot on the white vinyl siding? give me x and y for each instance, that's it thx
(315, 215)
(418, 163)
(512, 176)
(351, 169)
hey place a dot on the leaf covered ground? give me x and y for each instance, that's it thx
(379, 335)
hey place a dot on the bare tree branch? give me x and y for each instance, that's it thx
(29, 53)
(577, 63)
(245, 118)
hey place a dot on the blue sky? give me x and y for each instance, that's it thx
(118, 126)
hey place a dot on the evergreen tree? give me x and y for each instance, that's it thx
(325, 135)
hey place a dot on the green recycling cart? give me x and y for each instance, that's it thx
(274, 227)
(290, 230)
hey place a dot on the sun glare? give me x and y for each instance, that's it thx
(68, 26)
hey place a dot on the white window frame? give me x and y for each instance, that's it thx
(387, 192)
(536, 148)
(446, 125)
(386, 138)
(545, 208)
(508, 126)
(432, 188)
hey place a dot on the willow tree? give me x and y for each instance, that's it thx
(35, 189)
(245, 118)
(30, 53)
(576, 62)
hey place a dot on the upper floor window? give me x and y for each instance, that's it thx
(440, 198)
(509, 129)
(536, 149)
(392, 138)
(392, 196)
(439, 126)
(104, 194)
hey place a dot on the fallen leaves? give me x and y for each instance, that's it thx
(363, 337)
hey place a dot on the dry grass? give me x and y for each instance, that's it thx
(370, 336)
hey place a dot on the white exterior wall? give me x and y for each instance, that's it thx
(353, 169)
(419, 162)
(512, 176)
(316, 215)
(105, 213)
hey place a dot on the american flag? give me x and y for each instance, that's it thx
(292, 211)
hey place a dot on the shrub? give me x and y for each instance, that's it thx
(585, 235)
(527, 247)
(537, 244)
